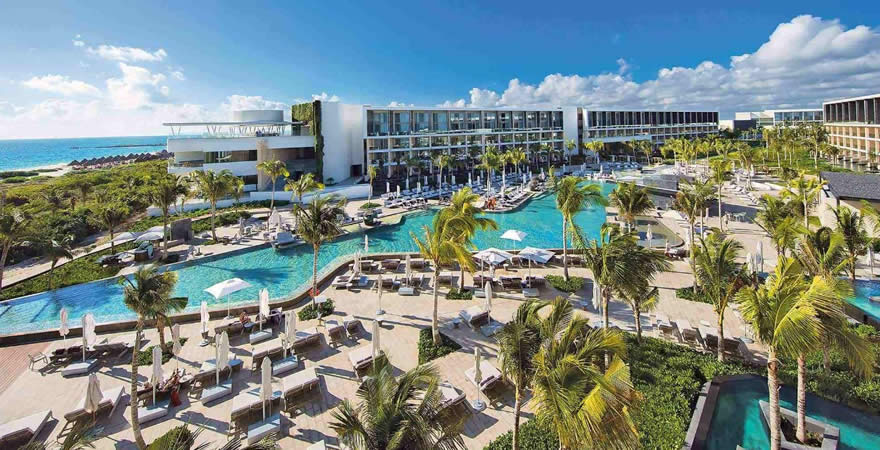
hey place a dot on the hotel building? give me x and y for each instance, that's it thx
(776, 117)
(657, 126)
(853, 125)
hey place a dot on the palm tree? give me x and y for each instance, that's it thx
(442, 245)
(850, 225)
(53, 197)
(805, 190)
(631, 201)
(646, 147)
(396, 413)
(164, 193)
(747, 156)
(306, 183)
(81, 436)
(273, 169)
(372, 172)
(186, 193)
(111, 214)
(518, 343)
(572, 198)
(440, 161)
(720, 172)
(463, 205)
(547, 150)
(641, 298)
(213, 186)
(595, 146)
(817, 136)
(84, 187)
(56, 249)
(490, 162)
(785, 313)
(144, 293)
(14, 227)
(690, 200)
(779, 219)
(718, 275)
(587, 405)
(316, 222)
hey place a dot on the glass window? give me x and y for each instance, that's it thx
(531, 119)
(544, 119)
(402, 122)
(400, 143)
(423, 142)
(422, 122)
(456, 121)
(777, 117)
(377, 123)
(440, 122)
(473, 119)
(490, 120)
(557, 119)
(518, 119)
(505, 120)
(377, 144)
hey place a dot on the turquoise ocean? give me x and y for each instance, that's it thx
(32, 153)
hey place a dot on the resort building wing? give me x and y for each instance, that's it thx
(852, 126)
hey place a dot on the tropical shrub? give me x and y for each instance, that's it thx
(573, 284)
(455, 294)
(687, 293)
(533, 435)
(429, 352)
(145, 356)
(312, 312)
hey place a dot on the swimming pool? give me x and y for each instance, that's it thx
(282, 272)
(737, 419)
(864, 289)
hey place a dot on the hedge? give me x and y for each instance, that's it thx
(687, 293)
(311, 311)
(145, 356)
(573, 284)
(533, 435)
(455, 294)
(429, 352)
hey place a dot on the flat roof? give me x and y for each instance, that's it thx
(863, 97)
(854, 186)
(253, 122)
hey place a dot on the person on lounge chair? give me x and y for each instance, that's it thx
(243, 317)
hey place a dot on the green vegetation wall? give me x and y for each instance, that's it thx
(310, 113)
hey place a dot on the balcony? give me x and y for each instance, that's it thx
(236, 143)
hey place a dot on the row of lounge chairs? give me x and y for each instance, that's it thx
(701, 338)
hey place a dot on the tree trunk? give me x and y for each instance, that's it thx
(135, 425)
(801, 398)
(517, 404)
(721, 336)
(435, 326)
(693, 255)
(213, 227)
(272, 202)
(51, 272)
(160, 328)
(565, 248)
(315, 248)
(112, 246)
(637, 315)
(606, 299)
(3, 261)
(165, 233)
(720, 220)
(773, 391)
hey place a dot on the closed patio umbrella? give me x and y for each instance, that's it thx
(759, 256)
(264, 305)
(289, 329)
(93, 395)
(649, 235)
(478, 405)
(379, 310)
(204, 317)
(175, 346)
(376, 348)
(63, 330)
(387, 187)
(597, 296)
(408, 268)
(88, 333)
(266, 385)
(487, 291)
(224, 288)
(366, 244)
(156, 378)
(222, 354)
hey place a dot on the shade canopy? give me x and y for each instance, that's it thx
(204, 316)
(156, 229)
(150, 236)
(88, 333)
(478, 374)
(157, 375)
(493, 256)
(222, 354)
(538, 255)
(487, 292)
(266, 383)
(63, 330)
(227, 287)
(264, 302)
(274, 219)
(126, 236)
(514, 235)
(93, 394)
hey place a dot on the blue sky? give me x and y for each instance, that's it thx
(115, 68)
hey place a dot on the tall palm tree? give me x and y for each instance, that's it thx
(747, 156)
(164, 193)
(720, 172)
(631, 201)
(518, 343)
(647, 148)
(213, 187)
(779, 219)
(489, 162)
(142, 292)
(785, 313)
(442, 244)
(816, 136)
(572, 198)
(305, 184)
(186, 193)
(718, 275)
(441, 161)
(850, 225)
(111, 214)
(463, 204)
(690, 200)
(641, 298)
(595, 147)
(517, 157)
(53, 197)
(273, 169)
(14, 227)
(372, 173)
(396, 413)
(588, 405)
(56, 249)
(317, 222)
(806, 191)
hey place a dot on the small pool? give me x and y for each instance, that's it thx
(282, 273)
(737, 418)
(864, 289)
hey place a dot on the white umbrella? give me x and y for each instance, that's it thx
(650, 236)
(408, 268)
(376, 348)
(487, 291)
(150, 236)
(366, 244)
(264, 306)
(266, 388)
(597, 296)
(514, 235)
(88, 333)
(157, 377)
(398, 190)
(407, 182)
(537, 255)
(666, 241)
(289, 329)
(156, 229)
(224, 288)
(127, 236)
(379, 310)
(493, 256)
(478, 378)
(749, 267)
(357, 262)
(63, 330)
(175, 346)
(205, 318)
(759, 256)
(274, 219)
(93, 395)
(387, 187)
(222, 355)
(470, 179)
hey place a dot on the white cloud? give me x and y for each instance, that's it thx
(60, 84)
(460, 103)
(178, 75)
(325, 97)
(138, 88)
(127, 54)
(803, 62)
(78, 43)
(9, 109)
(244, 102)
(395, 104)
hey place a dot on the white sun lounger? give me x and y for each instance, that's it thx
(283, 239)
(260, 335)
(473, 315)
(489, 372)
(305, 337)
(361, 357)
(109, 398)
(152, 412)
(299, 382)
(79, 368)
(449, 395)
(24, 429)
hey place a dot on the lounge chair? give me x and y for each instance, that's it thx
(449, 395)
(305, 337)
(691, 337)
(297, 383)
(361, 357)
(35, 358)
(265, 350)
(110, 399)
(335, 330)
(390, 264)
(351, 325)
(20, 432)
(341, 281)
(284, 239)
(489, 373)
(445, 278)
(79, 367)
(358, 282)
(474, 315)
(735, 348)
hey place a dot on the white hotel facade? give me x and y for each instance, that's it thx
(353, 137)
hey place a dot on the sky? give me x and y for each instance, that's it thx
(72, 69)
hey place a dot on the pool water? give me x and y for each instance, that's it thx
(737, 418)
(864, 289)
(283, 272)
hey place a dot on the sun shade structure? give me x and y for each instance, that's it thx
(88, 333)
(493, 256)
(150, 236)
(266, 384)
(126, 236)
(63, 330)
(850, 186)
(158, 375)
(224, 288)
(514, 235)
(376, 349)
(537, 255)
